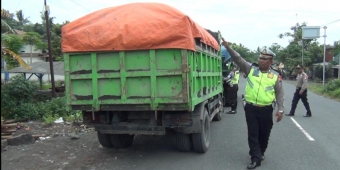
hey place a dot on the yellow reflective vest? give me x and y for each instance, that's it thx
(236, 77)
(260, 86)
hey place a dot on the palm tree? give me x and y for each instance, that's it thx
(22, 20)
(4, 38)
(4, 24)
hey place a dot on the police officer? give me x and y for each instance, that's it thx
(301, 92)
(263, 87)
(233, 90)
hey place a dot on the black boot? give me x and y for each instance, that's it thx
(232, 112)
(308, 114)
(253, 165)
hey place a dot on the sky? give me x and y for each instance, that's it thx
(253, 23)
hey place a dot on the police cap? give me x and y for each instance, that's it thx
(266, 51)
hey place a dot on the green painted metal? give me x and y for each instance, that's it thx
(161, 79)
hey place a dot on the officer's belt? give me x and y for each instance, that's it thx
(257, 105)
(298, 88)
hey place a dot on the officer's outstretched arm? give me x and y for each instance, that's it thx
(241, 63)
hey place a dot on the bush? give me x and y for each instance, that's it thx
(20, 89)
(55, 108)
(42, 97)
(332, 85)
(14, 95)
(49, 119)
(20, 100)
(27, 110)
(336, 93)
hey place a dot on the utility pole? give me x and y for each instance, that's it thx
(302, 52)
(324, 56)
(47, 8)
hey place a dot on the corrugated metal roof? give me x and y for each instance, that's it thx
(41, 67)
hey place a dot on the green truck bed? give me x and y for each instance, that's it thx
(161, 79)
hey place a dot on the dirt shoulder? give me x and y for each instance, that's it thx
(60, 148)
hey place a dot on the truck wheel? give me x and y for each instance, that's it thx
(218, 115)
(104, 140)
(201, 140)
(120, 141)
(183, 142)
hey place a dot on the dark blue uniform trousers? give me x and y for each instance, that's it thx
(259, 123)
(296, 99)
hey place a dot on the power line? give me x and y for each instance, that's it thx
(332, 22)
(81, 5)
(63, 7)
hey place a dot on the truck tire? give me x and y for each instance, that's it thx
(218, 115)
(183, 142)
(201, 140)
(120, 141)
(104, 140)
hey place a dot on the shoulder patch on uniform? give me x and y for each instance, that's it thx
(305, 76)
(270, 75)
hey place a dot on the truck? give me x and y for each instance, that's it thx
(144, 69)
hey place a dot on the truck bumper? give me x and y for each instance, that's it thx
(129, 128)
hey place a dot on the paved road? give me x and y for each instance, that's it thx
(289, 147)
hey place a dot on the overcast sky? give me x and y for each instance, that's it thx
(250, 22)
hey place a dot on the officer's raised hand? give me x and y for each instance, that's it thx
(225, 43)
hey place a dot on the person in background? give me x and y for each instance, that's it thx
(300, 92)
(233, 89)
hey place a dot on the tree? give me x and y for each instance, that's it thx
(247, 54)
(43, 22)
(5, 15)
(21, 19)
(31, 38)
(43, 46)
(56, 40)
(292, 54)
(12, 44)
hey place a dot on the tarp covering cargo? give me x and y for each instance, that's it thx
(135, 26)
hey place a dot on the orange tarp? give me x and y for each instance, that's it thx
(135, 26)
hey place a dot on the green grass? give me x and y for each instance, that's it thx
(46, 86)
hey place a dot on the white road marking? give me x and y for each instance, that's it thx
(303, 130)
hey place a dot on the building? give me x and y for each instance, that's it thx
(329, 54)
(25, 54)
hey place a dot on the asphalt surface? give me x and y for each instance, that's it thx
(313, 146)
(289, 148)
